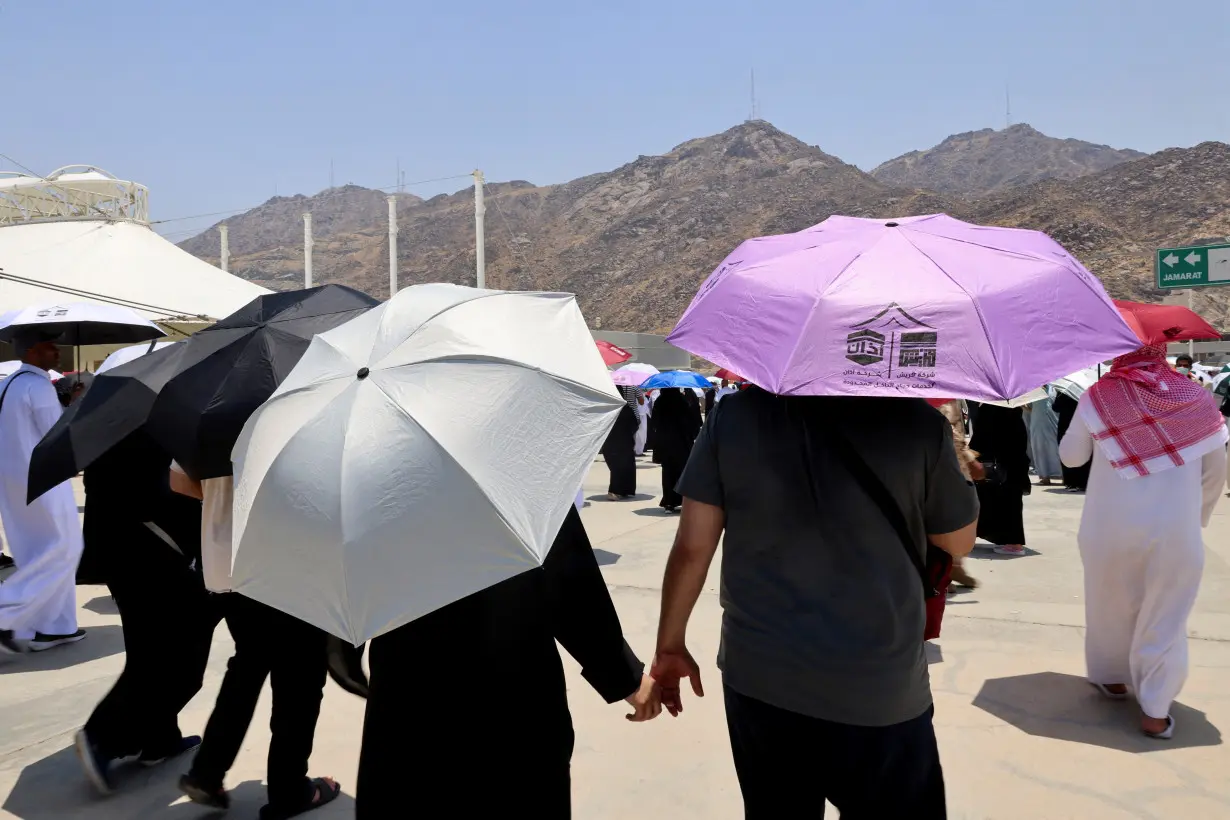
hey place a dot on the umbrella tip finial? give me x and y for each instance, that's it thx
(890, 224)
(363, 373)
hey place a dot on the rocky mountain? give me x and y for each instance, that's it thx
(1113, 221)
(635, 243)
(978, 162)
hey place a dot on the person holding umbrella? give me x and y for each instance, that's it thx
(1157, 445)
(38, 602)
(507, 634)
(678, 425)
(143, 542)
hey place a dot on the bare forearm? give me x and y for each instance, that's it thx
(685, 578)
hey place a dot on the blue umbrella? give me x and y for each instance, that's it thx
(675, 378)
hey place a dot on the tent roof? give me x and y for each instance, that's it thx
(120, 260)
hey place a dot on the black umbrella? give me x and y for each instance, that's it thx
(225, 372)
(116, 403)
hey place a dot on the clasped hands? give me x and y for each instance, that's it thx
(661, 686)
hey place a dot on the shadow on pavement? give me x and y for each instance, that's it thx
(102, 605)
(100, 642)
(604, 558)
(1066, 707)
(637, 497)
(55, 788)
(654, 512)
(984, 552)
(934, 653)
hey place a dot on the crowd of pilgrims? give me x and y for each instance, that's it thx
(507, 730)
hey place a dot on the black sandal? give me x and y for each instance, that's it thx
(322, 795)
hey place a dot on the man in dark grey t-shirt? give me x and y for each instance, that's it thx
(822, 658)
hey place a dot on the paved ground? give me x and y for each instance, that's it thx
(1021, 734)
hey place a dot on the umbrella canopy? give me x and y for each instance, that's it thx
(1160, 324)
(415, 456)
(228, 370)
(1075, 384)
(128, 354)
(116, 405)
(13, 365)
(612, 354)
(82, 323)
(925, 307)
(676, 378)
(632, 375)
(728, 375)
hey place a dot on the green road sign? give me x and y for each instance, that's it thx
(1196, 267)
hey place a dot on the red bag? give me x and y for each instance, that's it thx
(938, 575)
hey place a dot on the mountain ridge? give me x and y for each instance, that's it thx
(634, 243)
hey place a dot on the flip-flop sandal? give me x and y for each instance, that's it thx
(1106, 693)
(1165, 734)
(320, 789)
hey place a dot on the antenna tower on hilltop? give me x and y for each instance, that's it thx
(1007, 106)
(755, 113)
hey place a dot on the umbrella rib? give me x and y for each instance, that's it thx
(1003, 393)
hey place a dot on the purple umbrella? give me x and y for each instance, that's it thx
(924, 306)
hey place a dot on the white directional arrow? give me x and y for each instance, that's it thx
(1171, 260)
(1192, 258)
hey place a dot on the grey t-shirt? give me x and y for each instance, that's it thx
(823, 610)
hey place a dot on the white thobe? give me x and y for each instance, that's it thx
(1141, 547)
(45, 536)
(642, 431)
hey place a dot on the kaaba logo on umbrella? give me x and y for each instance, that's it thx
(892, 333)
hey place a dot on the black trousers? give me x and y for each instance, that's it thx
(168, 622)
(788, 764)
(268, 644)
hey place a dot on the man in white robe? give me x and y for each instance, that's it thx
(38, 602)
(643, 411)
(1159, 462)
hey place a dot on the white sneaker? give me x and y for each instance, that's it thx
(43, 642)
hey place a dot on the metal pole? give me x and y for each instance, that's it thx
(307, 250)
(223, 230)
(480, 248)
(392, 246)
(1191, 305)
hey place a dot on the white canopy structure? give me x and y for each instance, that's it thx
(80, 234)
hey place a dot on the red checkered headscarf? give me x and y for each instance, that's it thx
(1147, 418)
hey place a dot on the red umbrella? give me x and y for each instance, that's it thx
(612, 354)
(729, 375)
(1159, 324)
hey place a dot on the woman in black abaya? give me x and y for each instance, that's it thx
(467, 711)
(1000, 437)
(677, 425)
(1074, 478)
(619, 451)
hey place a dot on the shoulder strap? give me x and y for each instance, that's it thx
(875, 489)
(9, 383)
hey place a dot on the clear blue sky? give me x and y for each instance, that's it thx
(213, 104)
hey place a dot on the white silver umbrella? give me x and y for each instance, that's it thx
(13, 365)
(418, 454)
(129, 354)
(1074, 385)
(82, 323)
